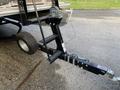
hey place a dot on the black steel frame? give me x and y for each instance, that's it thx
(71, 58)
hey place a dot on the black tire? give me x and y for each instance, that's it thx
(29, 40)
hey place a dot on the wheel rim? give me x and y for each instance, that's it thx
(23, 45)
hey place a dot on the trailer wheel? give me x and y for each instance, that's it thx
(27, 42)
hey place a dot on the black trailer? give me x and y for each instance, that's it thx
(52, 17)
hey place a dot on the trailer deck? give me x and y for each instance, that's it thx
(7, 10)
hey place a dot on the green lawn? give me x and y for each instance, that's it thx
(94, 4)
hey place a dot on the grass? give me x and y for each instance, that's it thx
(94, 4)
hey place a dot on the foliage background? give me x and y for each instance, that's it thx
(94, 4)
